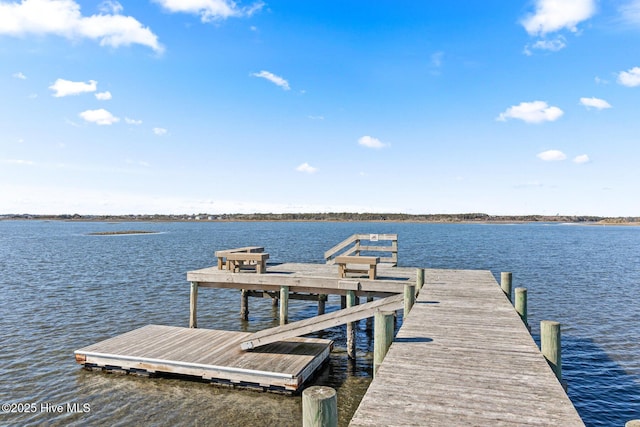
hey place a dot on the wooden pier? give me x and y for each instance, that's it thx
(210, 355)
(463, 356)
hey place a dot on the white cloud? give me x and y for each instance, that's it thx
(99, 117)
(595, 103)
(19, 75)
(210, 10)
(531, 112)
(19, 162)
(160, 131)
(583, 158)
(600, 81)
(307, 168)
(63, 87)
(630, 78)
(554, 15)
(551, 155)
(553, 45)
(63, 18)
(316, 117)
(129, 121)
(277, 80)
(631, 12)
(103, 96)
(371, 142)
(110, 6)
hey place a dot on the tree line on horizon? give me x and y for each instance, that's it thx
(335, 216)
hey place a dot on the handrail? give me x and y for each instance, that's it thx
(357, 247)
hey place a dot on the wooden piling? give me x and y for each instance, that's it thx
(383, 336)
(632, 423)
(419, 279)
(521, 304)
(550, 345)
(505, 283)
(284, 305)
(244, 304)
(322, 301)
(351, 328)
(193, 302)
(409, 298)
(319, 407)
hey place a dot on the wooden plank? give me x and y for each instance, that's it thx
(272, 280)
(324, 321)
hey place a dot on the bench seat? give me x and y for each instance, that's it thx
(369, 265)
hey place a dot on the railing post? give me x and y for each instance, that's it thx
(505, 283)
(409, 298)
(521, 304)
(319, 407)
(419, 279)
(193, 305)
(383, 336)
(551, 346)
(284, 305)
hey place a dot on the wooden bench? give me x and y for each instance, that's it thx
(222, 255)
(370, 261)
(238, 260)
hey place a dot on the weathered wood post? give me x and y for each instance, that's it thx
(632, 423)
(409, 298)
(419, 279)
(244, 304)
(351, 328)
(550, 345)
(284, 305)
(319, 407)
(193, 305)
(383, 337)
(369, 321)
(521, 304)
(322, 301)
(505, 283)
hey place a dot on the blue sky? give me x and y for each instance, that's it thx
(193, 106)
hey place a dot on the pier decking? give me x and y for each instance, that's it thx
(211, 355)
(464, 357)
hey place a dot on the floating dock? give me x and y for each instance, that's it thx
(463, 356)
(210, 355)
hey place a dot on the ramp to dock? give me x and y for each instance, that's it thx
(209, 354)
(319, 323)
(464, 357)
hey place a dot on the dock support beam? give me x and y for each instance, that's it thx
(383, 330)
(351, 328)
(193, 303)
(319, 407)
(284, 305)
(409, 298)
(244, 305)
(550, 345)
(505, 283)
(521, 304)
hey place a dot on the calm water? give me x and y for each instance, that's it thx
(61, 289)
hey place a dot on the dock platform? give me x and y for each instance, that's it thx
(209, 354)
(463, 356)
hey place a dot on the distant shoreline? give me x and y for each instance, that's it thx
(465, 218)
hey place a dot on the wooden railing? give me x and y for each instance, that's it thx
(366, 244)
